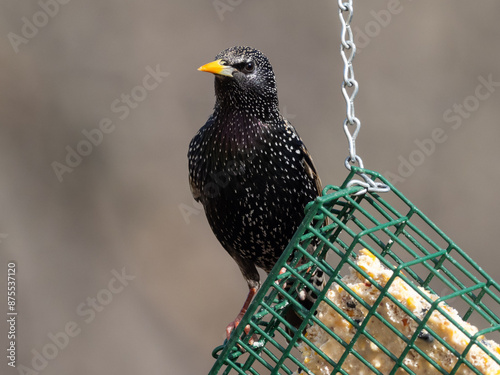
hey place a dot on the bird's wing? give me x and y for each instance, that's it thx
(307, 160)
(194, 189)
(195, 159)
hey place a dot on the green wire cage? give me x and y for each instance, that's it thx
(414, 254)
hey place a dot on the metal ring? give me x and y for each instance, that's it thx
(357, 159)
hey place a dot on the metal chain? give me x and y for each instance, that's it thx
(350, 86)
(350, 89)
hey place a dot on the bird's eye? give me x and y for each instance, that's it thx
(249, 67)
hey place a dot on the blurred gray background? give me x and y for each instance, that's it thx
(127, 203)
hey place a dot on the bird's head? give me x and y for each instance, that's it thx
(243, 75)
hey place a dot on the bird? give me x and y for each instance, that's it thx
(249, 168)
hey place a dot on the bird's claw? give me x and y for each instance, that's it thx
(232, 326)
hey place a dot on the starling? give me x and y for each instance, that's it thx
(249, 167)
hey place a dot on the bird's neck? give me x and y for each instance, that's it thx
(248, 113)
(235, 129)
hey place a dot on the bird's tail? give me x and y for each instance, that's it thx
(305, 296)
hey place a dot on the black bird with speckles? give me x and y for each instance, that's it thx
(248, 166)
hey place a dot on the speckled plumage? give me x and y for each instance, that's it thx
(248, 166)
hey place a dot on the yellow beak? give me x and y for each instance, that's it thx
(217, 67)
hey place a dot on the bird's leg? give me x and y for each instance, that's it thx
(252, 278)
(231, 326)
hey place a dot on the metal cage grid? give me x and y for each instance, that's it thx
(404, 240)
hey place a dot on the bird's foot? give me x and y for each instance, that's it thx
(232, 326)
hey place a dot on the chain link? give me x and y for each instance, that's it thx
(350, 89)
